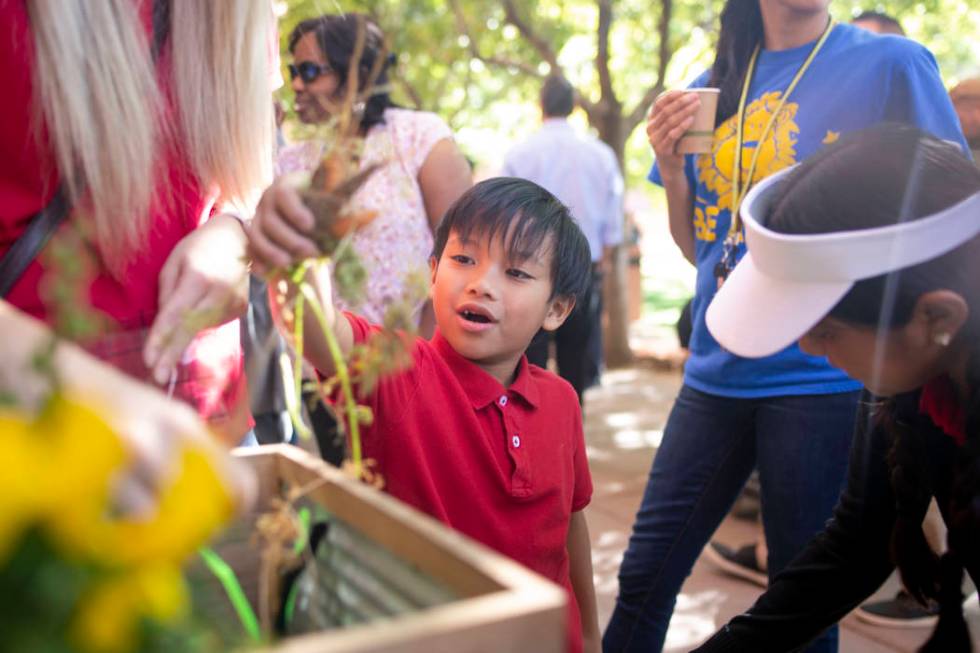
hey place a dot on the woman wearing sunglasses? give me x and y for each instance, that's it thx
(424, 171)
(868, 253)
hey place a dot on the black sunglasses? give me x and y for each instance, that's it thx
(307, 71)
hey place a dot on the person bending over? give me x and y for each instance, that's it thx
(869, 254)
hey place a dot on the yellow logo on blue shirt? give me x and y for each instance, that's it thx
(776, 153)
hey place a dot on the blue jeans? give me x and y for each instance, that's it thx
(800, 446)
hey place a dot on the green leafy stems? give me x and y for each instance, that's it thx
(342, 371)
(229, 582)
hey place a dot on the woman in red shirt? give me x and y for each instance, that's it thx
(154, 119)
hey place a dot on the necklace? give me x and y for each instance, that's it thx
(727, 263)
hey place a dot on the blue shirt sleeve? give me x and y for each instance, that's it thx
(654, 176)
(916, 96)
(689, 170)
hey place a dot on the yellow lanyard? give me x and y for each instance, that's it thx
(738, 193)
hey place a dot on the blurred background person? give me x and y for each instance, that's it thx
(878, 22)
(583, 173)
(423, 172)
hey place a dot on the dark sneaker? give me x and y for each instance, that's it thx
(903, 611)
(740, 562)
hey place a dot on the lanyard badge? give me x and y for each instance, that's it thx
(729, 251)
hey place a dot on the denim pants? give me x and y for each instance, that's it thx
(799, 444)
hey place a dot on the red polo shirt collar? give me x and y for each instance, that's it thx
(480, 387)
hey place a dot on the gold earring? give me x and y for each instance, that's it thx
(942, 339)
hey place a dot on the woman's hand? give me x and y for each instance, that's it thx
(204, 283)
(670, 116)
(280, 232)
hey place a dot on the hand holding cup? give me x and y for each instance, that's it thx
(681, 122)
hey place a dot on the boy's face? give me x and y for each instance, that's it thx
(489, 307)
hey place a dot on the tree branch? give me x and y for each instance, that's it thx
(602, 49)
(451, 118)
(411, 91)
(666, 52)
(499, 62)
(591, 108)
(639, 112)
(543, 48)
(536, 41)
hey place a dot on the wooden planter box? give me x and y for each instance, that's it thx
(399, 580)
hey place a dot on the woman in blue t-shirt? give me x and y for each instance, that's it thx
(790, 81)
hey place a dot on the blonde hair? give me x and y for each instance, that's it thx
(100, 100)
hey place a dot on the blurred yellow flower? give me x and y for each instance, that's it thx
(188, 513)
(59, 471)
(16, 483)
(107, 619)
(84, 458)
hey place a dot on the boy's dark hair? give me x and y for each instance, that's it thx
(526, 215)
(886, 24)
(336, 35)
(557, 97)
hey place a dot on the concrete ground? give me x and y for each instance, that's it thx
(624, 424)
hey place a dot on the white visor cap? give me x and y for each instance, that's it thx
(786, 283)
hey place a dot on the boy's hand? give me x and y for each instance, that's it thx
(280, 233)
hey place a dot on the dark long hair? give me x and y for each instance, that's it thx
(336, 36)
(874, 178)
(741, 31)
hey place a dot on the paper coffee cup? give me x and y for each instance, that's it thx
(698, 139)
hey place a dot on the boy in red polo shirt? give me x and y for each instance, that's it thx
(472, 434)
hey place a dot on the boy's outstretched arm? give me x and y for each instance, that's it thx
(580, 571)
(279, 237)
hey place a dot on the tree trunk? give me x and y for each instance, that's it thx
(616, 342)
